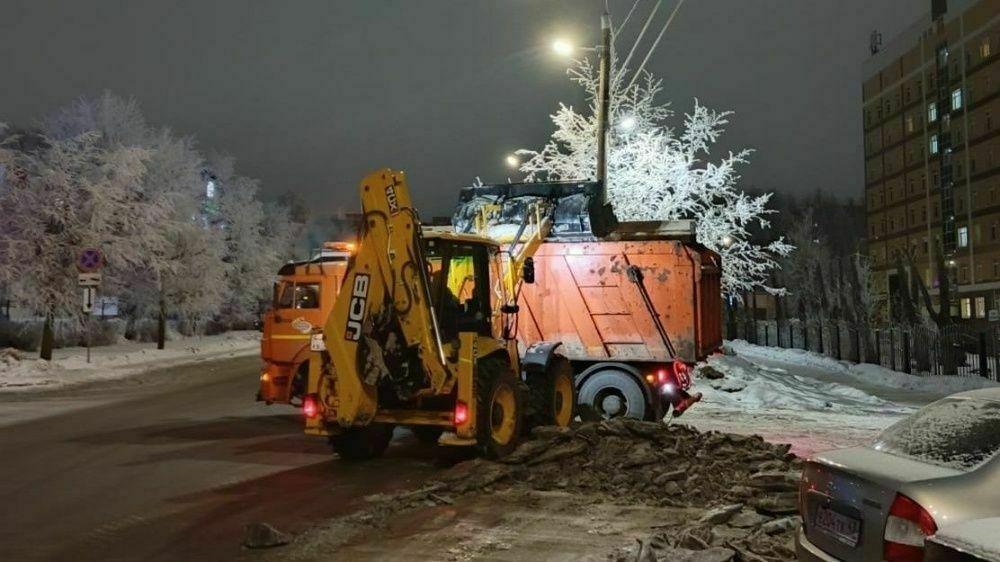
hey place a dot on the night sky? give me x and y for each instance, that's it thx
(309, 95)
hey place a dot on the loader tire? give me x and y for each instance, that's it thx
(362, 443)
(553, 395)
(499, 407)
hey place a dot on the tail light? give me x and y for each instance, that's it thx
(461, 413)
(310, 406)
(662, 376)
(682, 372)
(905, 530)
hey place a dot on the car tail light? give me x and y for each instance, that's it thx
(310, 406)
(905, 530)
(662, 376)
(461, 413)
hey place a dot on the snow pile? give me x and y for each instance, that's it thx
(746, 386)
(979, 538)
(69, 365)
(871, 374)
(748, 486)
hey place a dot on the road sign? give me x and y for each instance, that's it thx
(90, 260)
(89, 279)
(89, 298)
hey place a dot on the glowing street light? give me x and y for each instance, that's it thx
(727, 241)
(513, 161)
(627, 123)
(562, 48)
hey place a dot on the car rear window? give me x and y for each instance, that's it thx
(955, 433)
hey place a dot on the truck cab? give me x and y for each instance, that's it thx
(303, 298)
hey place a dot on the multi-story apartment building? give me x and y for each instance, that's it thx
(932, 154)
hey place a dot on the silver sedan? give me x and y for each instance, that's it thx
(934, 468)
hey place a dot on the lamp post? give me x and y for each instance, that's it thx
(565, 48)
(603, 103)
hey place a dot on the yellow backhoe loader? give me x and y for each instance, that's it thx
(423, 335)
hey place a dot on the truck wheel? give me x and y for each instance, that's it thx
(427, 434)
(499, 405)
(362, 443)
(553, 395)
(613, 394)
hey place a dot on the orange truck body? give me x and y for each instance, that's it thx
(585, 297)
(303, 298)
(632, 316)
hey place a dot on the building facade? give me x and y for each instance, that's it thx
(931, 118)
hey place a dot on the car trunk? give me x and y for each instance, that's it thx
(846, 495)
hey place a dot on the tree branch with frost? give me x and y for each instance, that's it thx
(657, 173)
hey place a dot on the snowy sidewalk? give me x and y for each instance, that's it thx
(814, 402)
(69, 367)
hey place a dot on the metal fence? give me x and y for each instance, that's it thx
(959, 350)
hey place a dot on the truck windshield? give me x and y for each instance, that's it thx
(954, 433)
(298, 295)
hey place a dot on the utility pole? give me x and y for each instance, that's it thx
(603, 103)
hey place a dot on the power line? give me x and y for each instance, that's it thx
(655, 43)
(627, 16)
(641, 32)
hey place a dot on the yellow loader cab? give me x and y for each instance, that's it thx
(423, 335)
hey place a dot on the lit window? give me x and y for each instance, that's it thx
(210, 190)
(980, 307)
(934, 144)
(932, 112)
(963, 236)
(909, 124)
(956, 99)
(966, 308)
(984, 48)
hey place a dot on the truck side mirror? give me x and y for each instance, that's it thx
(528, 270)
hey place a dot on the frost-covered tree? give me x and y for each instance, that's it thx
(186, 279)
(252, 263)
(68, 195)
(657, 173)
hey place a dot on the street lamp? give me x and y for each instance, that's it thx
(562, 47)
(627, 123)
(513, 161)
(727, 241)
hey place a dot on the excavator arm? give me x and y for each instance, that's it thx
(386, 290)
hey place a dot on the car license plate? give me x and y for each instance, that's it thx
(841, 527)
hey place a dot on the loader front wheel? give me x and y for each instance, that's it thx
(362, 443)
(499, 408)
(553, 394)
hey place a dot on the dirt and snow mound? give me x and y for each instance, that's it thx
(749, 485)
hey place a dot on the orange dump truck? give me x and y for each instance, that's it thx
(634, 310)
(303, 297)
(629, 314)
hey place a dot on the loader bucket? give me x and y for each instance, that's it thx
(574, 208)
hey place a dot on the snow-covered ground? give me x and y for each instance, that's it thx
(814, 402)
(863, 373)
(22, 371)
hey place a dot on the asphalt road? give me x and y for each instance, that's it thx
(171, 465)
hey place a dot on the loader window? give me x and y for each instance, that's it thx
(460, 287)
